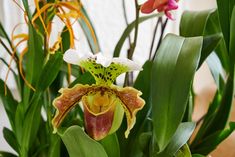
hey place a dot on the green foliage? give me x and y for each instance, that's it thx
(184, 152)
(208, 24)
(162, 128)
(111, 145)
(210, 143)
(168, 103)
(10, 104)
(79, 144)
(180, 138)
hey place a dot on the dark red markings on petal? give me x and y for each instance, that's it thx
(98, 126)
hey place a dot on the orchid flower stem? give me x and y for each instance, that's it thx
(8, 51)
(154, 36)
(163, 26)
(129, 76)
(133, 45)
(126, 20)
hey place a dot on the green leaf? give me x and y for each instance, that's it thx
(26, 6)
(201, 134)
(89, 31)
(208, 144)
(11, 139)
(75, 70)
(189, 109)
(222, 114)
(184, 152)
(79, 144)
(197, 22)
(2, 31)
(31, 124)
(198, 155)
(216, 69)
(133, 143)
(9, 103)
(111, 145)
(145, 140)
(210, 42)
(3, 34)
(128, 30)
(205, 23)
(19, 118)
(6, 154)
(225, 12)
(232, 36)
(213, 26)
(34, 59)
(176, 57)
(144, 76)
(50, 71)
(54, 149)
(65, 40)
(180, 138)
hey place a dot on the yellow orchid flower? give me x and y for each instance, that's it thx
(104, 103)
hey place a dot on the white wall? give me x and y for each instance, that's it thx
(107, 17)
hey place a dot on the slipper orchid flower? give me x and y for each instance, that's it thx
(160, 6)
(104, 103)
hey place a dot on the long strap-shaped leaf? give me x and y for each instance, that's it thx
(205, 23)
(172, 74)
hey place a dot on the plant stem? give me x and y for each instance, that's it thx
(133, 45)
(129, 76)
(154, 36)
(161, 37)
(126, 20)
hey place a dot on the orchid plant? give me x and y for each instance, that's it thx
(71, 105)
(103, 102)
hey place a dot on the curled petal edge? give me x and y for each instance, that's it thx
(66, 101)
(132, 103)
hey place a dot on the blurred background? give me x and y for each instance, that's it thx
(108, 19)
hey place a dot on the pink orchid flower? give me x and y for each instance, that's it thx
(160, 6)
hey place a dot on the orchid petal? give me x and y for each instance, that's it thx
(147, 7)
(159, 3)
(161, 6)
(103, 69)
(101, 111)
(68, 99)
(101, 59)
(172, 5)
(71, 56)
(132, 103)
(129, 64)
(98, 126)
